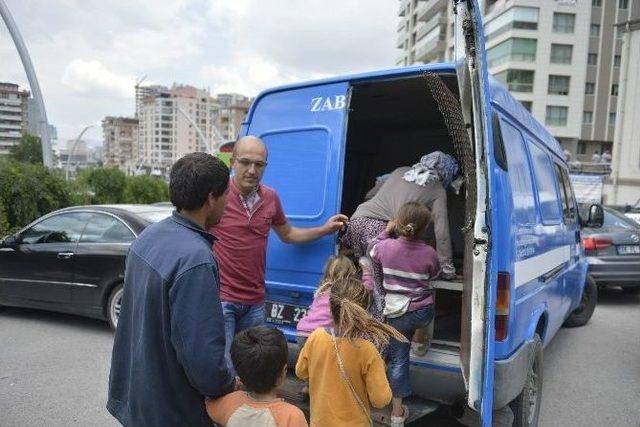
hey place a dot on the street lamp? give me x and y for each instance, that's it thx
(73, 149)
(206, 143)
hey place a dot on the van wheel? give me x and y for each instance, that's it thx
(631, 290)
(581, 315)
(114, 304)
(526, 407)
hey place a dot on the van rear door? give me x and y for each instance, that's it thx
(473, 80)
(303, 129)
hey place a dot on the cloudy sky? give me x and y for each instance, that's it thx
(88, 53)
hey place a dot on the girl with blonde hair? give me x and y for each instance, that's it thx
(345, 370)
(319, 315)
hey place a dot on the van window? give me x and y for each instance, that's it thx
(545, 182)
(302, 159)
(519, 175)
(569, 210)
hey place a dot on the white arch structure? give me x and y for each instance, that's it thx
(43, 124)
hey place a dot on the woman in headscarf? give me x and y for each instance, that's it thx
(424, 182)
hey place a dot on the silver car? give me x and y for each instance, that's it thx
(613, 251)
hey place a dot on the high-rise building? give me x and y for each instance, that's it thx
(172, 123)
(120, 142)
(231, 111)
(13, 115)
(623, 186)
(560, 58)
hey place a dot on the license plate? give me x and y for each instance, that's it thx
(629, 250)
(284, 314)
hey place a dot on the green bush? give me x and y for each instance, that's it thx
(28, 191)
(145, 189)
(106, 184)
(28, 150)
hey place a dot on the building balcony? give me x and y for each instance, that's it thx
(427, 10)
(400, 40)
(430, 50)
(11, 117)
(402, 8)
(12, 126)
(438, 19)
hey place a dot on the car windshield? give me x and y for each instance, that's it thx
(617, 220)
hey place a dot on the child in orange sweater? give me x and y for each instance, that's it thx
(259, 355)
(345, 371)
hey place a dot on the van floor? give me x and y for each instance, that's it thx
(291, 391)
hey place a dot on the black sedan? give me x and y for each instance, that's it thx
(72, 260)
(613, 251)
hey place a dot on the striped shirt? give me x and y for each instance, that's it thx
(408, 267)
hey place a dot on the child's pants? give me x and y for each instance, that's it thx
(398, 360)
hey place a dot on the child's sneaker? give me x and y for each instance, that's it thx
(399, 421)
(419, 349)
(448, 272)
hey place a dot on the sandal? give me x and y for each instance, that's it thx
(399, 421)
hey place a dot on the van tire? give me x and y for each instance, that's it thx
(581, 315)
(114, 304)
(526, 407)
(631, 290)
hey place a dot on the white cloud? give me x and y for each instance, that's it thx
(250, 74)
(95, 79)
(97, 48)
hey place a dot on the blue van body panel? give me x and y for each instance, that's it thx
(306, 167)
(306, 152)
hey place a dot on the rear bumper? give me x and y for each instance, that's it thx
(615, 270)
(510, 375)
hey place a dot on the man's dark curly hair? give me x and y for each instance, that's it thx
(194, 177)
(259, 354)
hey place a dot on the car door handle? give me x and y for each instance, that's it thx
(65, 255)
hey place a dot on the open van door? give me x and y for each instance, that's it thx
(303, 129)
(477, 353)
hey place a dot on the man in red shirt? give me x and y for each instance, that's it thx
(252, 210)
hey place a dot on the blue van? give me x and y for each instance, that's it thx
(515, 226)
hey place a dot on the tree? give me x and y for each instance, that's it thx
(28, 150)
(28, 191)
(106, 184)
(145, 189)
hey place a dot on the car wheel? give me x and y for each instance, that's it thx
(526, 407)
(581, 315)
(114, 303)
(631, 290)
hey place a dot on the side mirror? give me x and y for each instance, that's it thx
(596, 217)
(10, 242)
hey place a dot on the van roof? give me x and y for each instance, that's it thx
(500, 96)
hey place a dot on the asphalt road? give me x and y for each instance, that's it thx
(54, 370)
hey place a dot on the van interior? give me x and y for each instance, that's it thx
(392, 123)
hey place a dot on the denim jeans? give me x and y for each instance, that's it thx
(398, 359)
(237, 318)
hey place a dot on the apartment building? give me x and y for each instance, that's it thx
(13, 115)
(560, 58)
(167, 121)
(120, 142)
(623, 187)
(232, 109)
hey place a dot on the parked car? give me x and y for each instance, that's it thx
(72, 260)
(613, 251)
(515, 227)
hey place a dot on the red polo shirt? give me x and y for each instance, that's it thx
(242, 244)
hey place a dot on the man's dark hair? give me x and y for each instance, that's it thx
(194, 177)
(259, 354)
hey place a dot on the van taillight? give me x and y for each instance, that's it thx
(596, 243)
(502, 306)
